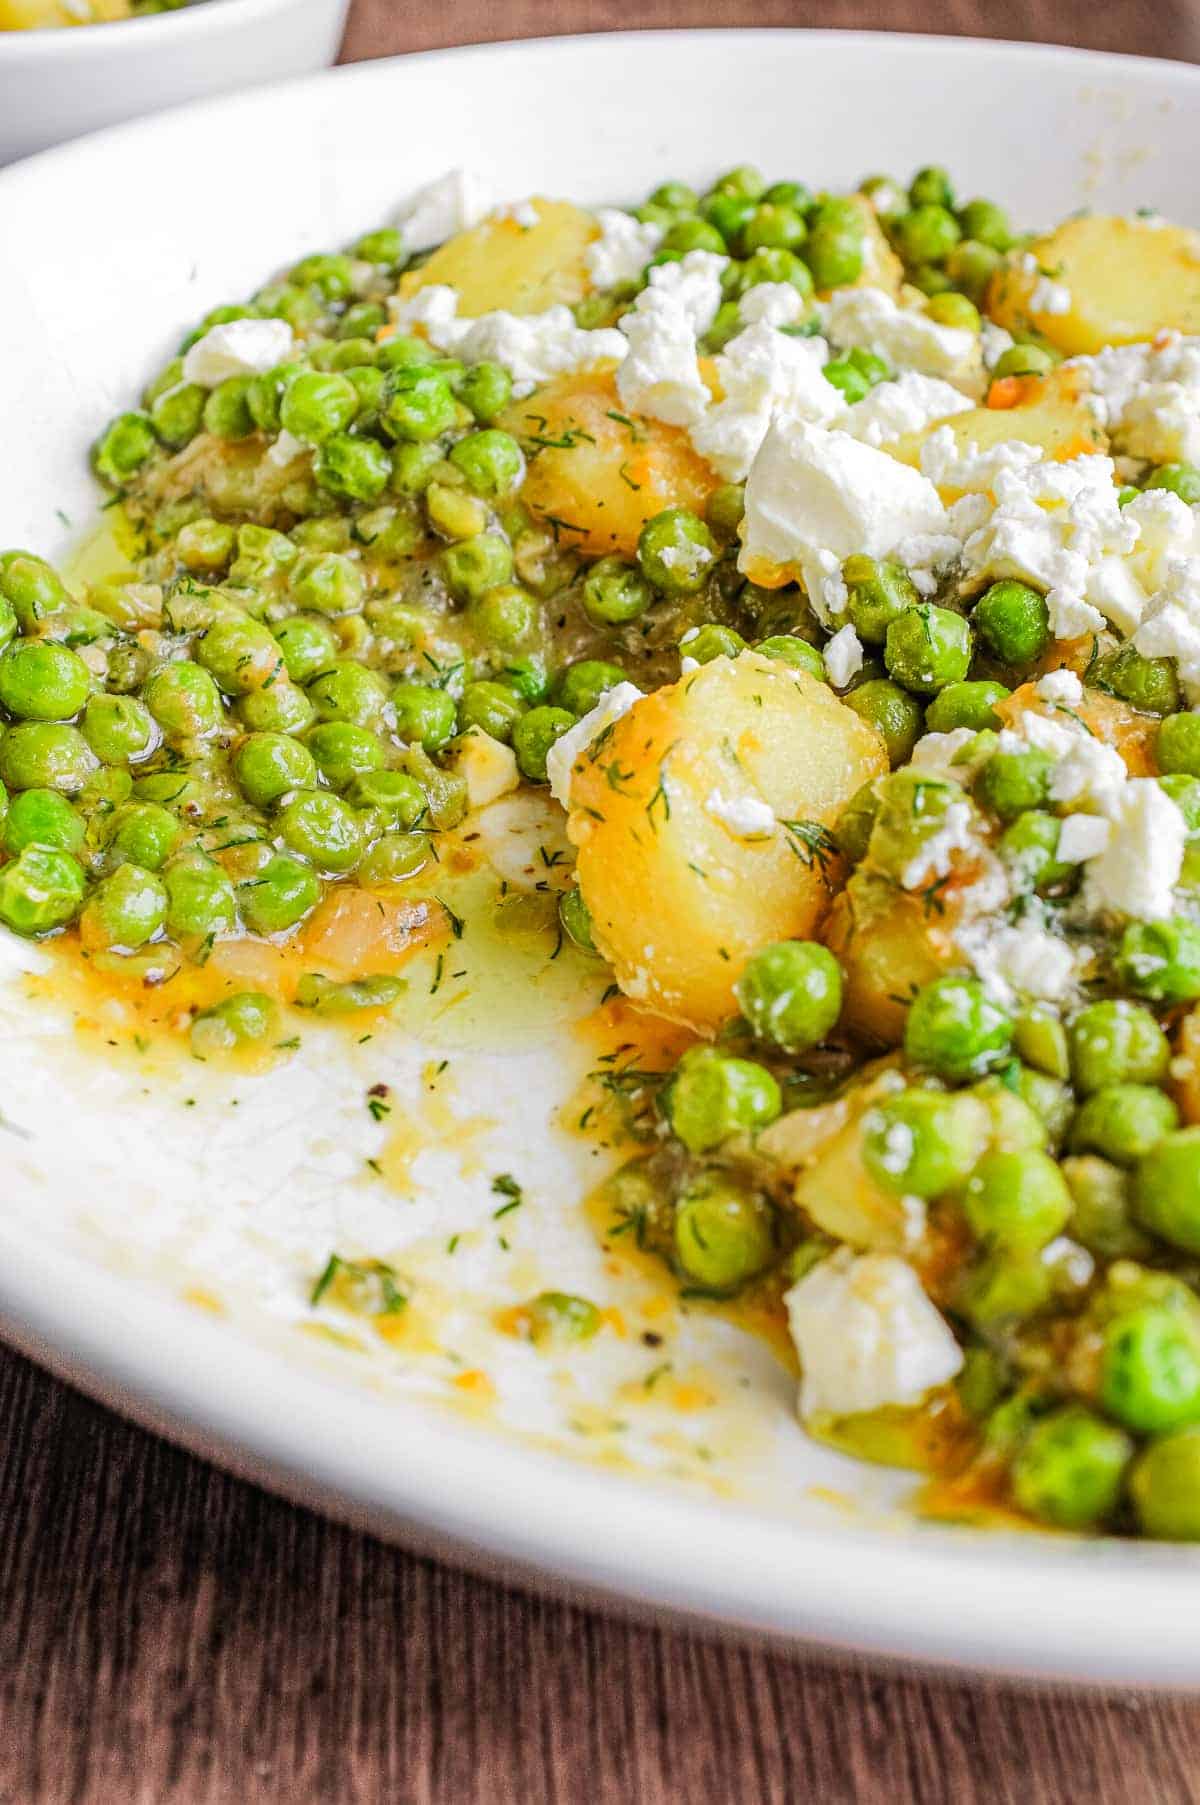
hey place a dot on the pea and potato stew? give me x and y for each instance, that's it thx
(831, 564)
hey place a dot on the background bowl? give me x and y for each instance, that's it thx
(218, 196)
(56, 85)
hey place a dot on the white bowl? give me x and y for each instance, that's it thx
(100, 1220)
(56, 85)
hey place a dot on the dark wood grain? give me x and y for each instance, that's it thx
(170, 1635)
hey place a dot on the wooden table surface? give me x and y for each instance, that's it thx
(170, 1635)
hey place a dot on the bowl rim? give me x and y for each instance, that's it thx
(200, 18)
(545, 1514)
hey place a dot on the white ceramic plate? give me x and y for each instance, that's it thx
(116, 1205)
(58, 84)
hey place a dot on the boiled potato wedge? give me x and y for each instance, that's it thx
(889, 943)
(1038, 410)
(881, 266)
(501, 265)
(598, 471)
(1126, 278)
(679, 899)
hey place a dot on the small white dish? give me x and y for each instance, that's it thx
(59, 84)
(124, 242)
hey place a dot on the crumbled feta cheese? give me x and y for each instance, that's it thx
(532, 347)
(1024, 960)
(776, 303)
(1061, 686)
(867, 1335)
(237, 348)
(1138, 869)
(521, 213)
(487, 764)
(815, 497)
(764, 375)
(564, 752)
(1050, 297)
(937, 854)
(902, 336)
(909, 404)
(1171, 628)
(1148, 397)
(694, 283)
(453, 203)
(691, 558)
(937, 752)
(623, 249)
(746, 817)
(1082, 837)
(994, 341)
(660, 375)
(843, 656)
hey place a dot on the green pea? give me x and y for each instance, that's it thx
(950, 309)
(392, 795)
(1166, 1189)
(348, 691)
(204, 546)
(385, 245)
(856, 822)
(276, 708)
(145, 834)
(425, 715)
(911, 811)
(362, 321)
(557, 1316)
(786, 648)
(836, 247)
(970, 705)
(926, 233)
(237, 1021)
(178, 414)
(879, 593)
(308, 645)
(1180, 479)
(1017, 1199)
(955, 1030)
(45, 755)
(200, 899)
(1148, 684)
(42, 818)
(1165, 1487)
(40, 681)
(32, 589)
(123, 448)
(322, 829)
(986, 223)
(263, 554)
(1041, 1040)
(1185, 794)
(534, 734)
(330, 272)
(227, 409)
(403, 352)
(1004, 1288)
(356, 469)
(931, 187)
(927, 648)
(856, 373)
(1150, 1370)
(491, 461)
(729, 213)
(1117, 1042)
(773, 226)
(1050, 1099)
(724, 1232)
(1023, 360)
(279, 895)
(581, 685)
(343, 752)
(1100, 1217)
(1015, 1125)
(896, 716)
(1012, 782)
(1177, 744)
(492, 707)
(615, 592)
(487, 391)
(1070, 1469)
(703, 644)
(711, 1096)
(316, 404)
(1159, 960)
(1123, 1122)
(394, 858)
(526, 675)
(923, 1143)
(971, 266)
(327, 583)
(791, 994)
(420, 405)
(40, 890)
(576, 918)
(268, 765)
(176, 790)
(184, 699)
(1029, 847)
(453, 513)
(241, 654)
(124, 911)
(476, 565)
(676, 551)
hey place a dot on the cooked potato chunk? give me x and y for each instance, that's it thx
(881, 266)
(702, 818)
(598, 470)
(503, 265)
(889, 943)
(1045, 411)
(1102, 281)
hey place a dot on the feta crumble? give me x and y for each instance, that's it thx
(532, 347)
(562, 756)
(867, 1335)
(902, 336)
(843, 656)
(909, 404)
(1138, 869)
(453, 203)
(623, 249)
(746, 817)
(764, 375)
(237, 348)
